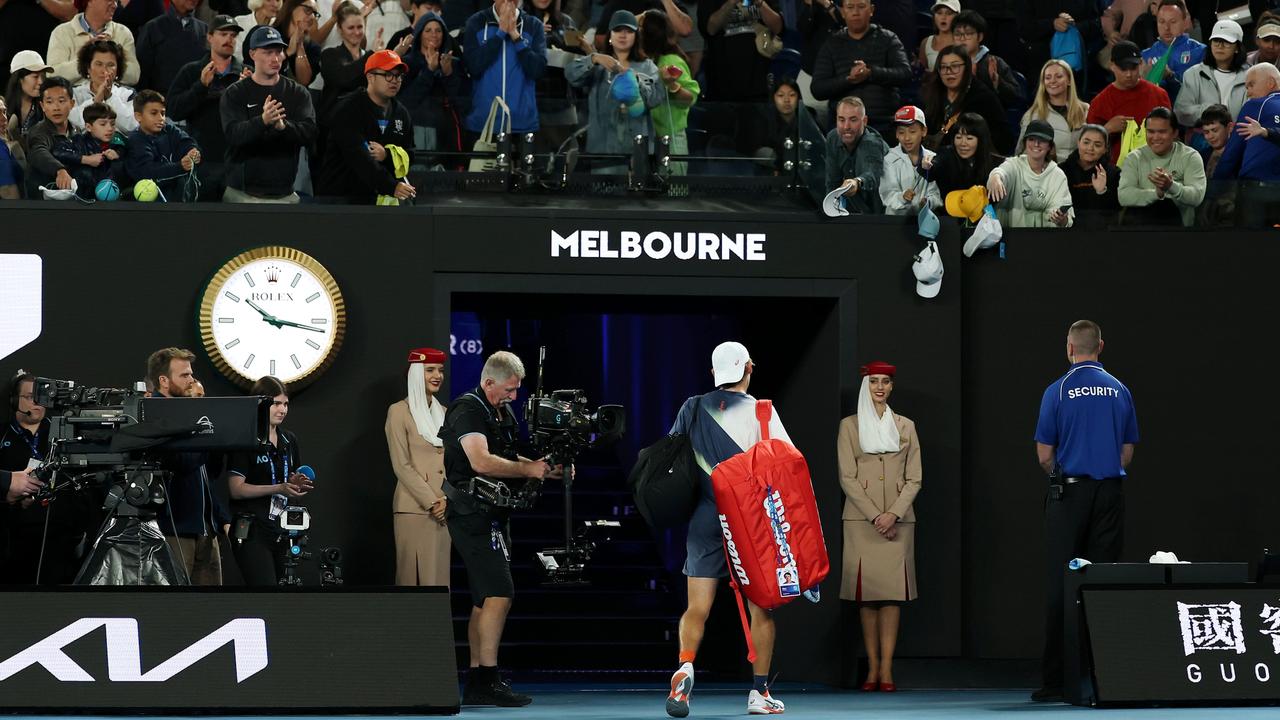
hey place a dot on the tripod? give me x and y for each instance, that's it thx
(291, 549)
(130, 549)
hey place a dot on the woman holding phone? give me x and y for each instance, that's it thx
(262, 483)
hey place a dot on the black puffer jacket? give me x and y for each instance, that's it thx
(882, 51)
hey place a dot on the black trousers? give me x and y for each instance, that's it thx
(260, 558)
(1086, 522)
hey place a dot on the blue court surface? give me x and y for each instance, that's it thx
(565, 702)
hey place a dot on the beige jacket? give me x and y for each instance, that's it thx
(886, 482)
(419, 465)
(66, 40)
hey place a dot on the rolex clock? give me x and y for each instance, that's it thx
(272, 311)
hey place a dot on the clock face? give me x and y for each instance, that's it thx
(272, 311)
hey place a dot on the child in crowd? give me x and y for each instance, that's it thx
(158, 149)
(902, 189)
(970, 29)
(1218, 208)
(96, 154)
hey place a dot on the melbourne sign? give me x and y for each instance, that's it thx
(655, 245)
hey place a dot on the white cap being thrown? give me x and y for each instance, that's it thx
(729, 362)
(928, 271)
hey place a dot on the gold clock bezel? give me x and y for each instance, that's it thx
(230, 268)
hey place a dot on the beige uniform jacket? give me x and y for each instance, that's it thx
(886, 482)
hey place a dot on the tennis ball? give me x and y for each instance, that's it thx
(146, 191)
(107, 190)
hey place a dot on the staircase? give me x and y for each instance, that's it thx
(621, 627)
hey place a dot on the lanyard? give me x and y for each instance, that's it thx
(32, 441)
(284, 451)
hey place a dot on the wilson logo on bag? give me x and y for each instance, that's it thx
(769, 519)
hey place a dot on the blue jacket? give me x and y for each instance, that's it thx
(1187, 53)
(499, 66)
(159, 157)
(69, 151)
(1257, 158)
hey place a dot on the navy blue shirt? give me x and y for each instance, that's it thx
(1087, 415)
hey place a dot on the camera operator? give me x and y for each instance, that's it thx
(24, 442)
(261, 484)
(479, 434)
(193, 513)
(44, 539)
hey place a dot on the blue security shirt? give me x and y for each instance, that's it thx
(1087, 415)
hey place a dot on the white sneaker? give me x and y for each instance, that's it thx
(758, 704)
(681, 689)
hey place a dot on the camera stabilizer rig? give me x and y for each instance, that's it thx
(561, 427)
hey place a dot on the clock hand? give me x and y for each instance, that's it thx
(300, 325)
(265, 315)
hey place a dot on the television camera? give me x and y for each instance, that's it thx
(118, 443)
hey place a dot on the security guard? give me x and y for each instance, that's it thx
(479, 435)
(1084, 441)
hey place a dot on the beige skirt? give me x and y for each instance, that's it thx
(422, 550)
(877, 569)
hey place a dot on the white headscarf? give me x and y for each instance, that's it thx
(427, 417)
(876, 434)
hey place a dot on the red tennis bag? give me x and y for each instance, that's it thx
(769, 519)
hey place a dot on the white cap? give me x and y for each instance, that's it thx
(28, 60)
(1228, 30)
(986, 234)
(729, 362)
(953, 4)
(833, 203)
(928, 270)
(1269, 29)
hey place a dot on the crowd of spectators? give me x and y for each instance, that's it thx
(1060, 109)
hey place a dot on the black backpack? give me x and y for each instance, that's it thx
(665, 481)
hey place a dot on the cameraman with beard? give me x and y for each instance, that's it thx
(479, 435)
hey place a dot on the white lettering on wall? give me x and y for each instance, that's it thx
(655, 245)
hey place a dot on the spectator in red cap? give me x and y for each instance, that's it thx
(903, 190)
(417, 457)
(361, 160)
(92, 23)
(879, 456)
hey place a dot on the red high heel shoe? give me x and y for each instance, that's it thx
(888, 687)
(870, 686)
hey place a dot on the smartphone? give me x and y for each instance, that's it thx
(1064, 209)
(573, 37)
(673, 71)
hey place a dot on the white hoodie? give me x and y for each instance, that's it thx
(899, 175)
(1032, 198)
(120, 100)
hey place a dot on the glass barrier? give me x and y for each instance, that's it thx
(588, 143)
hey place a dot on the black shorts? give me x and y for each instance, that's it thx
(483, 543)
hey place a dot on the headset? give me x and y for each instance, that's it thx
(18, 378)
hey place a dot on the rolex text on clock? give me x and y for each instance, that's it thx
(272, 311)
